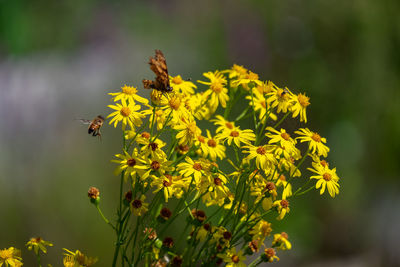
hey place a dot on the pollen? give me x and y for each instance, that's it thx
(131, 162)
(174, 103)
(261, 150)
(155, 165)
(234, 134)
(285, 136)
(125, 111)
(327, 177)
(316, 137)
(212, 143)
(303, 100)
(129, 90)
(284, 203)
(137, 204)
(197, 167)
(177, 80)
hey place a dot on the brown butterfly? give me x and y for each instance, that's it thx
(159, 66)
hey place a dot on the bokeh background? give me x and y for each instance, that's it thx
(58, 59)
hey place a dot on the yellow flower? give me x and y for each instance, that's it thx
(282, 139)
(37, 243)
(299, 105)
(10, 257)
(260, 104)
(126, 113)
(171, 185)
(246, 79)
(138, 206)
(217, 92)
(280, 98)
(174, 108)
(213, 147)
(190, 167)
(327, 178)
(270, 255)
(261, 230)
(235, 71)
(233, 258)
(131, 164)
(281, 241)
(77, 259)
(316, 142)
(216, 189)
(237, 136)
(156, 167)
(282, 207)
(185, 87)
(287, 187)
(151, 147)
(223, 125)
(129, 93)
(265, 159)
(188, 131)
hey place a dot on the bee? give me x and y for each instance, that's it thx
(94, 125)
(158, 65)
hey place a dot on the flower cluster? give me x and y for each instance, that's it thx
(230, 182)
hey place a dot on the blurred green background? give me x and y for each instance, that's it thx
(58, 59)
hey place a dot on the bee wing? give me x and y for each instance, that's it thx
(84, 121)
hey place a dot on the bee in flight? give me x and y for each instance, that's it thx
(94, 125)
(158, 65)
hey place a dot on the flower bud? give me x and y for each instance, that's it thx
(94, 195)
(164, 215)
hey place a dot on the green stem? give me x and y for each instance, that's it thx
(38, 259)
(281, 120)
(104, 217)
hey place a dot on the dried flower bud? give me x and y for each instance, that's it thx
(128, 198)
(94, 195)
(168, 242)
(165, 214)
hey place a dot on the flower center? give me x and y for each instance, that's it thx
(235, 259)
(261, 150)
(216, 87)
(327, 177)
(212, 143)
(229, 125)
(282, 177)
(217, 181)
(177, 80)
(324, 163)
(316, 137)
(125, 111)
(284, 203)
(137, 203)
(155, 165)
(197, 167)
(270, 186)
(285, 136)
(303, 100)
(129, 90)
(145, 135)
(234, 133)
(284, 235)
(174, 103)
(270, 252)
(6, 254)
(153, 146)
(131, 162)
(192, 128)
(201, 139)
(252, 76)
